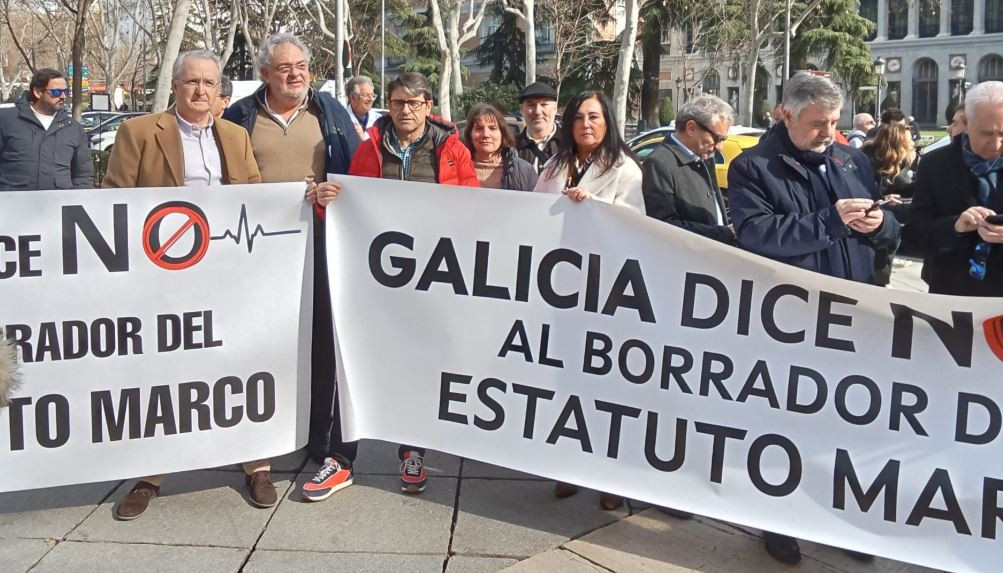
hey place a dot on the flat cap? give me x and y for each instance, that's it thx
(537, 89)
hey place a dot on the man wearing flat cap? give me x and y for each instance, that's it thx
(537, 142)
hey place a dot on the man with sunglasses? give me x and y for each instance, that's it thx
(41, 147)
(679, 181)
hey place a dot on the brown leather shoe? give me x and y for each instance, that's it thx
(262, 490)
(563, 490)
(609, 501)
(136, 501)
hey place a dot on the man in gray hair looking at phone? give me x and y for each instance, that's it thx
(802, 199)
(957, 211)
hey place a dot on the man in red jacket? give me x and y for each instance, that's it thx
(410, 144)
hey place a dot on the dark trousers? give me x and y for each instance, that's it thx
(325, 414)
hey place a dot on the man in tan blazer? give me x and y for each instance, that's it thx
(186, 146)
(150, 150)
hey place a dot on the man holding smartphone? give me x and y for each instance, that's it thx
(957, 211)
(802, 199)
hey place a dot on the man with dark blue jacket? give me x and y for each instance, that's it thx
(801, 199)
(299, 133)
(41, 147)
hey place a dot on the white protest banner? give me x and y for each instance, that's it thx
(158, 330)
(591, 345)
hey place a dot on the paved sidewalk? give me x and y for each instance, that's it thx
(474, 518)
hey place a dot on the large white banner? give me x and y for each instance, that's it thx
(592, 345)
(158, 330)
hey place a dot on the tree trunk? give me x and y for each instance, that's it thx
(79, 43)
(529, 9)
(651, 47)
(453, 38)
(339, 48)
(231, 33)
(624, 62)
(174, 36)
(446, 68)
(752, 63)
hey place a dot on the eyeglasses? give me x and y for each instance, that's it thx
(718, 138)
(977, 264)
(58, 92)
(367, 97)
(207, 84)
(414, 104)
(286, 69)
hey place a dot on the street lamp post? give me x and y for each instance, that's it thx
(679, 91)
(879, 69)
(959, 74)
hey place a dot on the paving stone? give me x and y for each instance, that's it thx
(127, 558)
(378, 457)
(209, 508)
(653, 542)
(308, 562)
(476, 469)
(519, 518)
(290, 463)
(556, 561)
(371, 516)
(20, 554)
(51, 512)
(470, 564)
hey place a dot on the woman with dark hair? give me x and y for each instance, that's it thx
(492, 147)
(592, 160)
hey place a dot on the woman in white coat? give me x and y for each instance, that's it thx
(592, 160)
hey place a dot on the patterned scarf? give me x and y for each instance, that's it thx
(986, 171)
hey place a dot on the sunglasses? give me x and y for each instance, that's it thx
(58, 92)
(718, 138)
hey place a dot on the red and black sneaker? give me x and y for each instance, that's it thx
(413, 476)
(329, 479)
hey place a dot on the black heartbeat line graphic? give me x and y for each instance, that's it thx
(244, 230)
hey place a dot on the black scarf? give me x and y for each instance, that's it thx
(825, 191)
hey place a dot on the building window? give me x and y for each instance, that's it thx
(712, 83)
(991, 68)
(962, 17)
(733, 99)
(490, 26)
(545, 36)
(666, 34)
(869, 10)
(898, 19)
(929, 18)
(924, 91)
(689, 39)
(994, 16)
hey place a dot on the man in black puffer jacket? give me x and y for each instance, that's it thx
(41, 147)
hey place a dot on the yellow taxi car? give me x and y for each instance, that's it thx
(739, 139)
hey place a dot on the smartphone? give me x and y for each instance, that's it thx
(995, 219)
(877, 204)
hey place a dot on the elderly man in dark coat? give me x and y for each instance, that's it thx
(956, 210)
(801, 199)
(679, 181)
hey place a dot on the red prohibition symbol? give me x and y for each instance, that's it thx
(195, 224)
